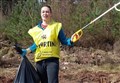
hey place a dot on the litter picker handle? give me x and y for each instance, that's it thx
(77, 35)
(113, 7)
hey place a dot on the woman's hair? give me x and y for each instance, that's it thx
(48, 7)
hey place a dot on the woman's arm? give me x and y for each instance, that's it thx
(63, 39)
(32, 48)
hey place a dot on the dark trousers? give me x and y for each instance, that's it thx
(48, 70)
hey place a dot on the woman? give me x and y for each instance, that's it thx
(47, 36)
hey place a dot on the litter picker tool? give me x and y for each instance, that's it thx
(76, 36)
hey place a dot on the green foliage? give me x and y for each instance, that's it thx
(73, 16)
(24, 16)
(105, 28)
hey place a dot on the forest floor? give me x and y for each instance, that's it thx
(77, 64)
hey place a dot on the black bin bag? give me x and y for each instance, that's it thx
(26, 73)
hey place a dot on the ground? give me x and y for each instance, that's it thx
(77, 64)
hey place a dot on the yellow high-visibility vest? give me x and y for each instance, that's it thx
(46, 40)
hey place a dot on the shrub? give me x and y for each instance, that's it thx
(24, 16)
(73, 16)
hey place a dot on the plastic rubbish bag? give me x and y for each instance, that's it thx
(26, 72)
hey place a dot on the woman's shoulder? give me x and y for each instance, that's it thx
(56, 23)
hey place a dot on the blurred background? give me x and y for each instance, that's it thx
(95, 58)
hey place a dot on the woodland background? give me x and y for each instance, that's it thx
(95, 58)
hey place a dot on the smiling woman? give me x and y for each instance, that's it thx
(47, 36)
(46, 15)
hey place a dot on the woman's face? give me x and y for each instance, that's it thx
(46, 14)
